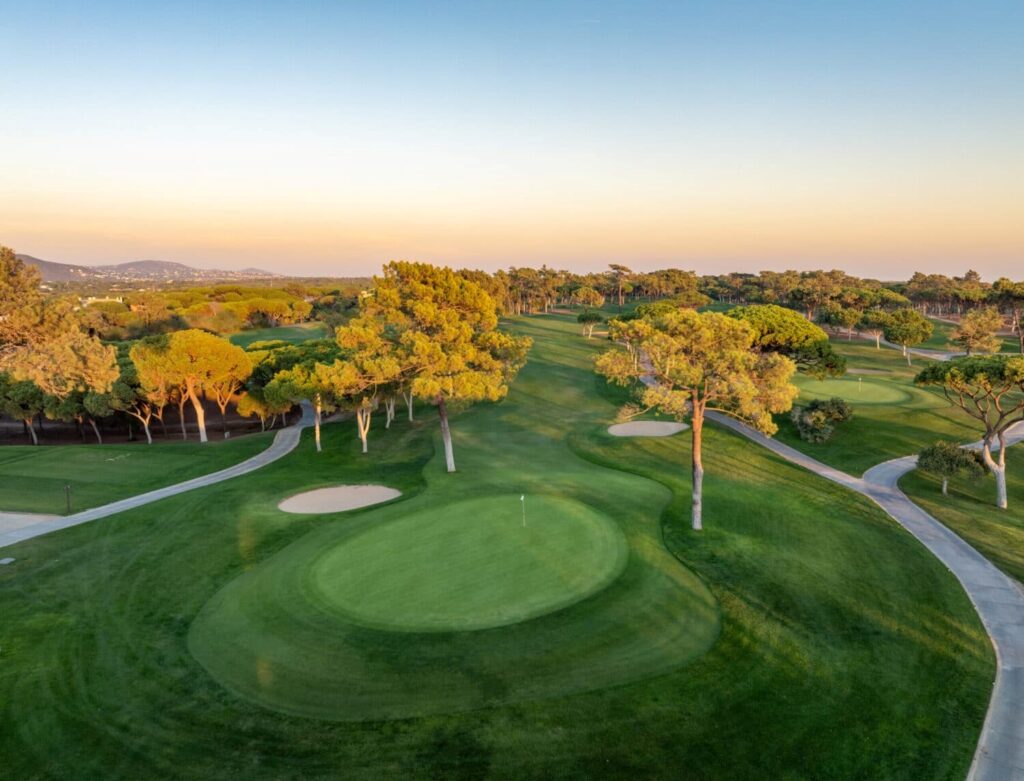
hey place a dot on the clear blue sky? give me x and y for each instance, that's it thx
(331, 137)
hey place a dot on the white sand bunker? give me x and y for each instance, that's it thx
(337, 498)
(646, 428)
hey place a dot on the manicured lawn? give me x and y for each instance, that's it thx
(802, 635)
(970, 511)
(892, 417)
(295, 334)
(32, 479)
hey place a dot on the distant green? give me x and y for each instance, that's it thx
(294, 334)
(892, 417)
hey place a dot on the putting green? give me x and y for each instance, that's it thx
(556, 608)
(856, 390)
(471, 565)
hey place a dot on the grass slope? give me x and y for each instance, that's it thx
(32, 479)
(970, 511)
(295, 334)
(845, 651)
(892, 417)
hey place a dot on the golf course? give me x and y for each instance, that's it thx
(544, 611)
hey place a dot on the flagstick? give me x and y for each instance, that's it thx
(522, 501)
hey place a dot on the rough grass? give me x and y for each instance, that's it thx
(32, 478)
(970, 511)
(845, 651)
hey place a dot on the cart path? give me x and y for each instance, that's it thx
(997, 598)
(15, 527)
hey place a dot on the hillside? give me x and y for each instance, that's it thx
(147, 270)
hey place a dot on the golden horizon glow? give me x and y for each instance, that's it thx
(714, 156)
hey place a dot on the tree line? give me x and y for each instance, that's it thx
(835, 298)
(420, 333)
(222, 309)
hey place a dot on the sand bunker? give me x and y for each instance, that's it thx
(337, 498)
(646, 428)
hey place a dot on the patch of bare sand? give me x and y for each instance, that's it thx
(337, 498)
(647, 428)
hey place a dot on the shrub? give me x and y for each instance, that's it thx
(816, 422)
(948, 459)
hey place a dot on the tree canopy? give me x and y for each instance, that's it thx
(784, 331)
(991, 390)
(907, 328)
(976, 332)
(693, 362)
(443, 329)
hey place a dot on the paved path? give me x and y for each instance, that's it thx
(284, 442)
(997, 598)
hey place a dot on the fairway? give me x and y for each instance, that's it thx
(471, 565)
(32, 479)
(184, 638)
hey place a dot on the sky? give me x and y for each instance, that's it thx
(326, 138)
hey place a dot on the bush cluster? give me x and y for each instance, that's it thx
(817, 420)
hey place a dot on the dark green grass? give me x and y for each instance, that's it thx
(970, 511)
(294, 334)
(892, 417)
(32, 479)
(845, 650)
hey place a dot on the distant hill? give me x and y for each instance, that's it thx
(57, 272)
(138, 270)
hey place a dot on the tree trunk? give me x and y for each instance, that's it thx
(945, 486)
(408, 402)
(363, 424)
(96, 430)
(181, 416)
(32, 431)
(389, 410)
(316, 422)
(223, 422)
(149, 436)
(998, 468)
(878, 341)
(197, 405)
(131, 432)
(446, 434)
(697, 426)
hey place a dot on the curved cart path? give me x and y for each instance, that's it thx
(997, 598)
(284, 442)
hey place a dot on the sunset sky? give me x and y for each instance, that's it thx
(328, 138)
